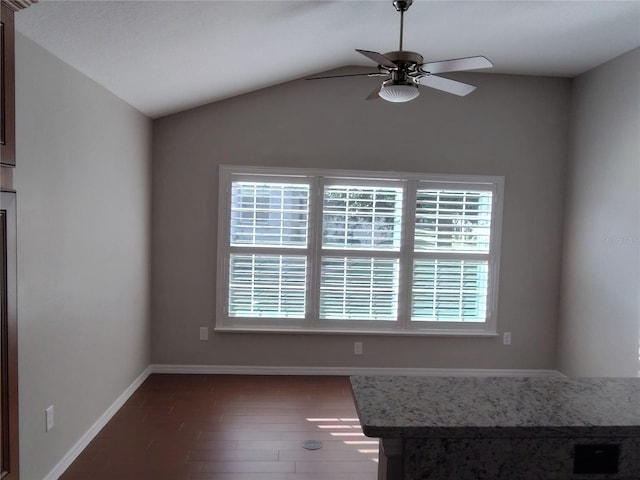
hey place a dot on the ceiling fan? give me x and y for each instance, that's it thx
(406, 70)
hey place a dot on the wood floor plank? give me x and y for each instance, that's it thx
(249, 467)
(226, 427)
(323, 455)
(265, 455)
(240, 476)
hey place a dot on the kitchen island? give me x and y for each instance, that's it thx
(502, 428)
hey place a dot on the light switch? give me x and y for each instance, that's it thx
(204, 333)
(48, 413)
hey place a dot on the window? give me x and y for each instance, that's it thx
(341, 251)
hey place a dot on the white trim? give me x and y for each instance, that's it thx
(386, 175)
(90, 434)
(400, 323)
(347, 371)
(468, 332)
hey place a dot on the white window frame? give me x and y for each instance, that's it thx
(317, 178)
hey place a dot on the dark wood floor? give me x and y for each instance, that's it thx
(224, 427)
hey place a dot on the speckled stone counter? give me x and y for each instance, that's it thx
(494, 428)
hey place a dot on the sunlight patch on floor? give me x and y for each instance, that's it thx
(348, 428)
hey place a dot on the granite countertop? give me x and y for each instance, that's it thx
(497, 407)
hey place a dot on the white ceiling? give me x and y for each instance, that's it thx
(167, 56)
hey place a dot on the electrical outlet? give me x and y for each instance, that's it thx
(204, 333)
(48, 413)
(506, 338)
(357, 348)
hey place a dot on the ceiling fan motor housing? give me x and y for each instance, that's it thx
(405, 57)
(407, 67)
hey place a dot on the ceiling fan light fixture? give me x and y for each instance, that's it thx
(398, 92)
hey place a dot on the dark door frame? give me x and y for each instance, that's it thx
(9, 456)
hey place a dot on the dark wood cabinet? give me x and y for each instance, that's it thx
(7, 88)
(9, 425)
(9, 461)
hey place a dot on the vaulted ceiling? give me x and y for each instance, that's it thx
(167, 56)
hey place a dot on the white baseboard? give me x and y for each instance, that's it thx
(344, 371)
(90, 434)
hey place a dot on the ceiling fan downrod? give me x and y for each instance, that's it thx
(402, 6)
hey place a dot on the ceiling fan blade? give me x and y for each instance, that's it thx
(456, 65)
(371, 74)
(447, 85)
(378, 58)
(374, 94)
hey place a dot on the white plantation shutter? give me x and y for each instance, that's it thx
(360, 217)
(271, 286)
(448, 224)
(359, 288)
(326, 250)
(269, 214)
(453, 220)
(449, 290)
(367, 220)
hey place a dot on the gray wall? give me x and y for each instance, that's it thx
(512, 125)
(599, 334)
(83, 182)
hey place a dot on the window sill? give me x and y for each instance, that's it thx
(397, 333)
